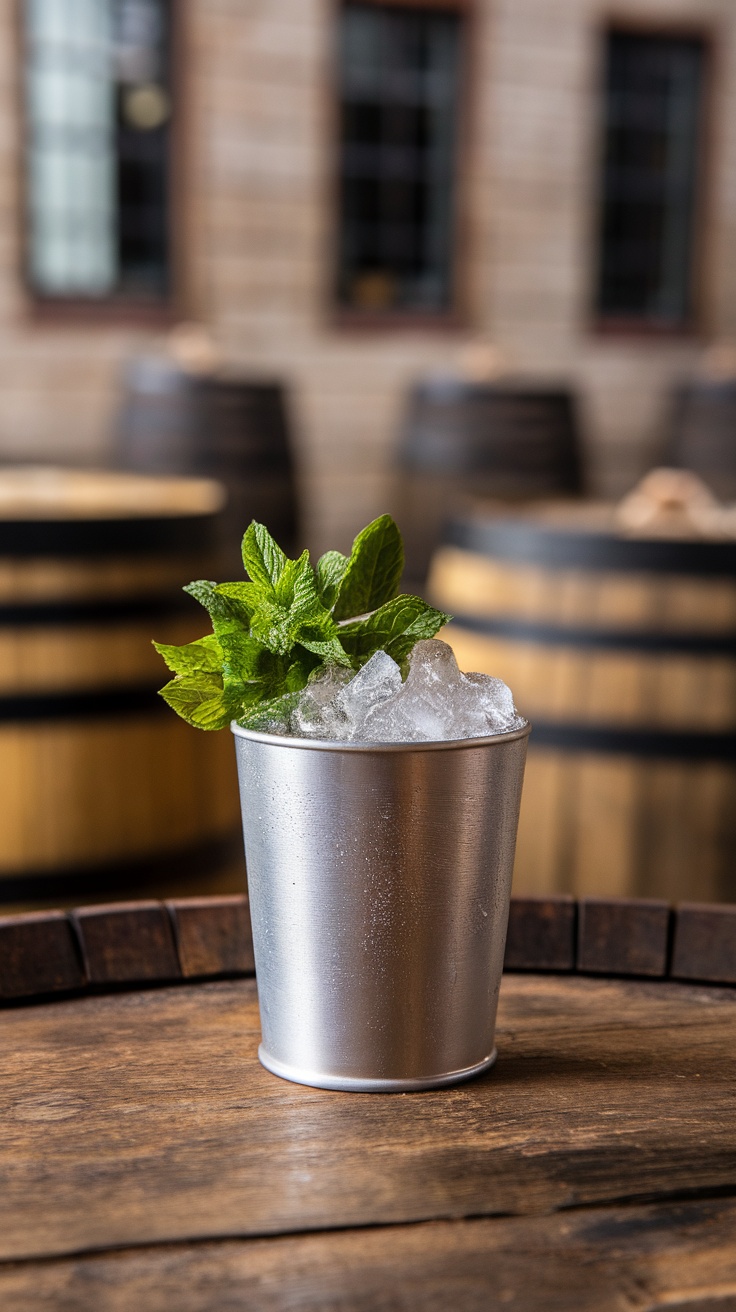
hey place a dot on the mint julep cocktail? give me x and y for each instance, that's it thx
(380, 792)
(331, 651)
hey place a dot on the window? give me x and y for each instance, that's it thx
(653, 110)
(399, 74)
(97, 114)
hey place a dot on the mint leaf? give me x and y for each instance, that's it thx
(330, 572)
(311, 623)
(374, 570)
(218, 605)
(263, 559)
(231, 622)
(200, 700)
(394, 628)
(299, 670)
(271, 625)
(261, 717)
(243, 656)
(204, 654)
(293, 572)
(328, 647)
(246, 595)
(205, 592)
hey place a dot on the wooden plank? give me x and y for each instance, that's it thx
(541, 934)
(623, 937)
(145, 1117)
(677, 1256)
(38, 954)
(127, 942)
(213, 935)
(705, 943)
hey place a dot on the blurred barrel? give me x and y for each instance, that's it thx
(104, 789)
(622, 652)
(703, 433)
(465, 439)
(236, 431)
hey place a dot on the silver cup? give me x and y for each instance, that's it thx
(379, 880)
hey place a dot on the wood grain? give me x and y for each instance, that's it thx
(705, 943)
(77, 793)
(213, 935)
(541, 934)
(90, 777)
(38, 955)
(129, 942)
(679, 1256)
(144, 1117)
(623, 936)
(607, 822)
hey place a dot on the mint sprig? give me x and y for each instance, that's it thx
(273, 631)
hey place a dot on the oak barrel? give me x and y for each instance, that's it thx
(622, 652)
(703, 433)
(233, 430)
(463, 439)
(105, 790)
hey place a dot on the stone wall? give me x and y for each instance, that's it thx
(256, 226)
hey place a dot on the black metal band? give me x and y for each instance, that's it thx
(103, 703)
(648, 743)
(62, 614)
(169, 534)
(127, 876)
(556, 635)
(525, 542)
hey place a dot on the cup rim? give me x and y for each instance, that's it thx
(333, 745)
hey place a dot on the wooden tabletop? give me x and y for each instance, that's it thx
(148, 1162)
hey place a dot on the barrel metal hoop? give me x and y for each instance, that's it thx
(139, 535)
(547, 548)
(125, 875)
(646, 640)
(650, 743)
(102, 703)
(63, 614)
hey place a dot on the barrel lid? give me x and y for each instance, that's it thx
(580, 535)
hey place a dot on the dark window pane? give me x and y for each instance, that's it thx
(399, 90)
(98, 108)
(652, 118)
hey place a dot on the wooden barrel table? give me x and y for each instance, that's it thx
(149, 1162)
(463, 440)
(622, 652)
(105, 790)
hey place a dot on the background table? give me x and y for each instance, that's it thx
(149, 1162)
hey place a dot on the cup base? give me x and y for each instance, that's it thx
(355, 1084)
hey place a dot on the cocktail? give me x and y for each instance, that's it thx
(380, 790)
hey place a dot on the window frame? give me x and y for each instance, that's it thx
(456, 317)
(115, 309)
(695, 324)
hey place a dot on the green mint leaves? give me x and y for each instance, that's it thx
(373, 572)
(272, 632)
(393, 628)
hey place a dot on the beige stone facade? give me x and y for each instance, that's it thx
(256, 218)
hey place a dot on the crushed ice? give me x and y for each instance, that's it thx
(436, 702)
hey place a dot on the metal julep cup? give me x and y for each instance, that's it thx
(379, 880)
